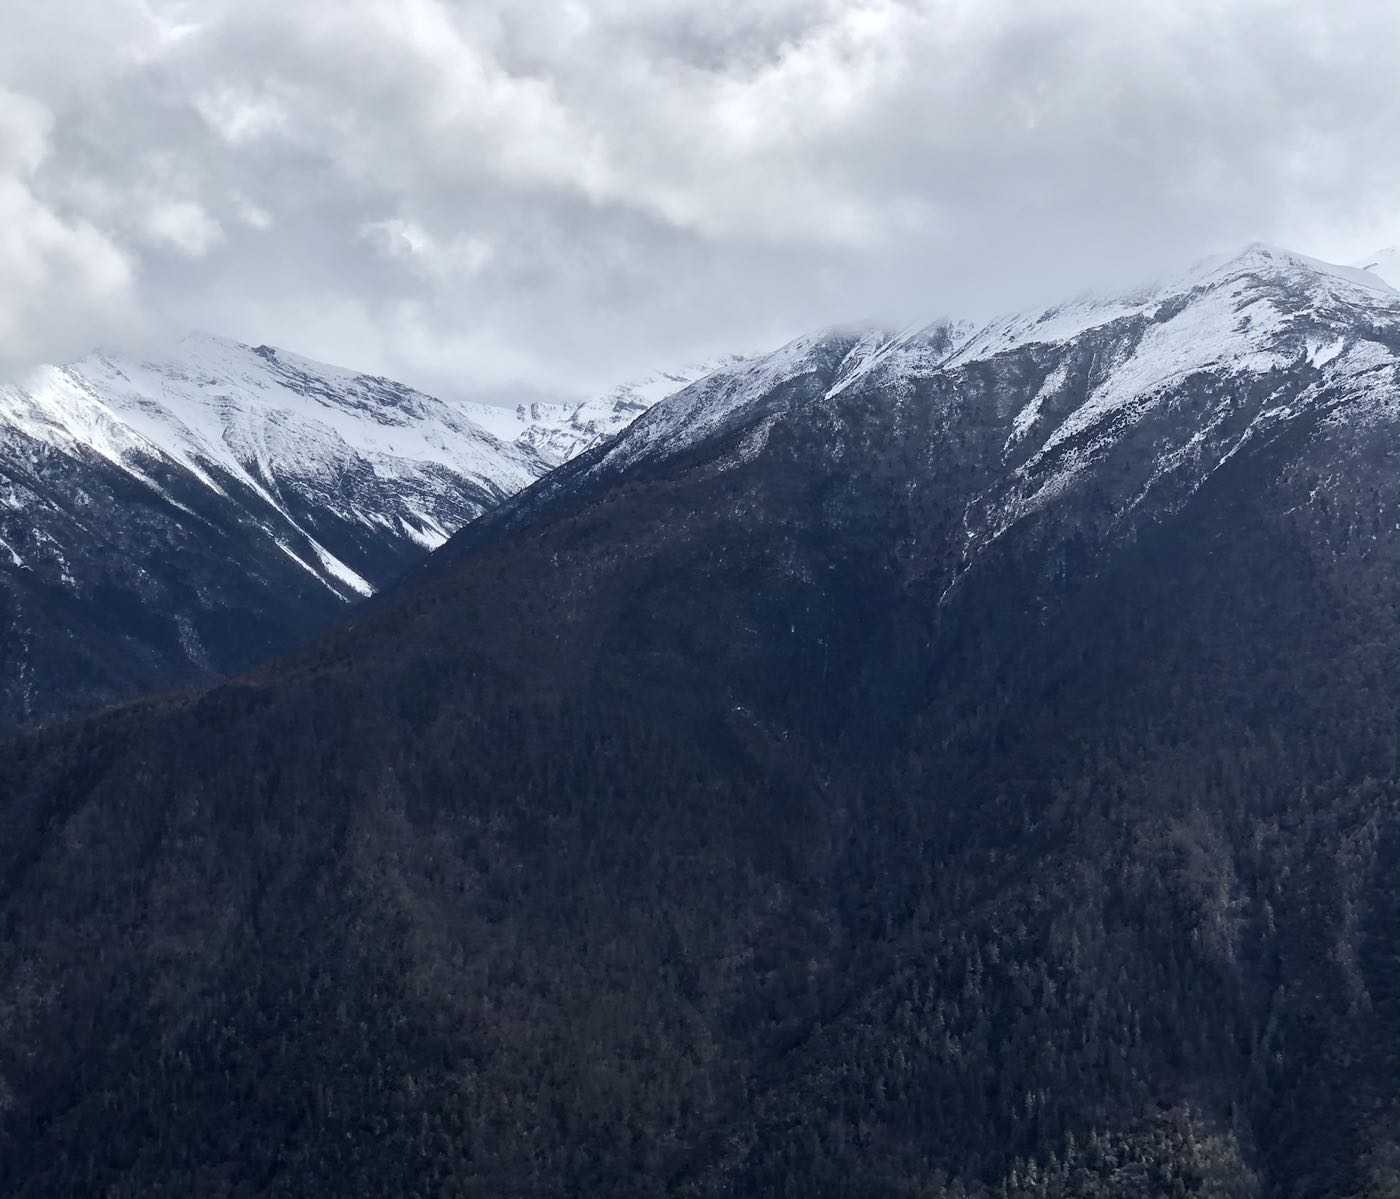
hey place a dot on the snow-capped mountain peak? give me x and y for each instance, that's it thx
(260, 426)
(557, 432)
(1284, 283)
(275, 429)
(1190, 359)
(1383, 264)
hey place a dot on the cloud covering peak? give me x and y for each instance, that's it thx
(506, 199)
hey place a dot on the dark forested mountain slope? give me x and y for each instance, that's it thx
(900, 767)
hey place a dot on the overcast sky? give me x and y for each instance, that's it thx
(517, 197)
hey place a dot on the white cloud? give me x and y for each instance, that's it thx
(252, 215)
(24, 134)
(183, 226)
(560, 191)
(240, 116)
(59, 274)
(414, 247)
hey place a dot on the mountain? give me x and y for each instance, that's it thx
(185, 514)
(1103, 368)
(559, 432)
(946, 762)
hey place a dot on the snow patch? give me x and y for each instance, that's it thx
(1026, 418)
(1322, 351)
(342, 572)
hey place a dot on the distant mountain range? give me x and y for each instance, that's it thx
(186, 513)
(559, 432)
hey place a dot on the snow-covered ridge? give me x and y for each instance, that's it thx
(1079, 377)
(225, 496)
(1247, 313)
(302, 444)
(1234, 273)
(258, 424)
(284, 437)
(1264, 309)
(1325, 333)
(839, 357)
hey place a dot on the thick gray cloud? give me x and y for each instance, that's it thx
(510, 197)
